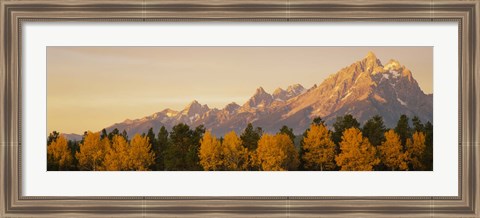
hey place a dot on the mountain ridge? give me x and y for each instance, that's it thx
(364, 88)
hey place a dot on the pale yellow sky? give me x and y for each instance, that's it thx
(89, 88)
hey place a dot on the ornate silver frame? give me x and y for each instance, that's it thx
(15, 12)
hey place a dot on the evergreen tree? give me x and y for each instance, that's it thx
(125, 135)
(52, 137)
(182, 150)
(417, 125)
(113, 133)
(250, 137)
(427, 159)
(104, 134)
(162, 143)
(193, 161)
(374, 129)
(74, 147)
(288, 131)
(153, 142)
(403, 129)
(175, 153)
(318, 121)
(341, 124)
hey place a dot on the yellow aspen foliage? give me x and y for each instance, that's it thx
(415, 149)
(92, 152)
(252, 160)
(235, 156)
(357, 154)
(117, 157)
(59, 154)
(140, 154)
(276, 153)
(319, 148)
(210, 152)
(391, 152)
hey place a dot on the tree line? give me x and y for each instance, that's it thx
(346, 146)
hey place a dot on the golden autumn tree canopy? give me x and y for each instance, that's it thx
(235, 156)
(140, 153)
(210, 152)
(391, 152)
(92, 152)
(357, 154)
(276, 153)
(59, 154)
(117, 157)
(415, 149)
(319, 148)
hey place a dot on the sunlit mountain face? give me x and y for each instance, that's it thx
(363, 89)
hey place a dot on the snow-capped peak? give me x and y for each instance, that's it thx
(292, 91)
(371, 62)
(259, 99)
(371, 55)
(169, 112)
(392, 65)
(278, 91)
(195, 108)
(295, 89)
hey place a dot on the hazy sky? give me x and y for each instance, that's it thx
(89, 88)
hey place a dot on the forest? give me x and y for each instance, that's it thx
(345, 146)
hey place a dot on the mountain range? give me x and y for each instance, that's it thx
(364, 89)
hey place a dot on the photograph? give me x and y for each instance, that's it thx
(234, 108)
(239, 108)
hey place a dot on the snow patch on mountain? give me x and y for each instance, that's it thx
(402, 102)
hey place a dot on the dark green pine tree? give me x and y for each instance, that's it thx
(153, 143)
(151, 137)
(182, 150)
(250, 137)
(318, 121)
(428, 154)
(125, 135)
(417, 125)
(193, 160)
(74, 147)
(177, 148)
(52, 137)
(83, 137)
(403, 129)
(103, 134)
(114, 132)
(162, 143)
(288, 131)
(374, 129)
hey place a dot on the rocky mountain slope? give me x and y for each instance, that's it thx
(363, 89)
